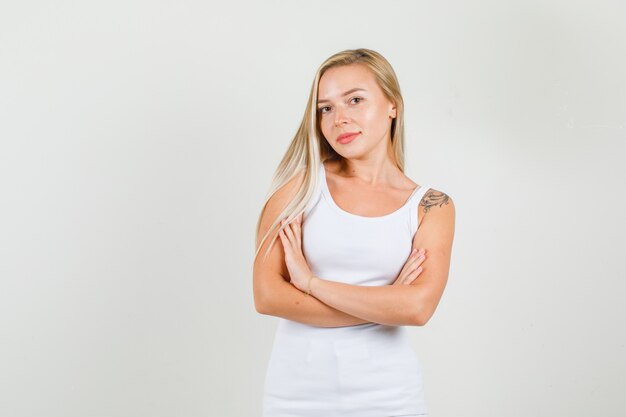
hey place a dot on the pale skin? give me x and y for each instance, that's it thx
(366, 182)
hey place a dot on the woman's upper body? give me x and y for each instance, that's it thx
(364, 178)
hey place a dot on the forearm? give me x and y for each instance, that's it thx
(290, 303)
(395, 305)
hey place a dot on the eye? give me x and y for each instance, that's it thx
(357, 98)
(321, 109)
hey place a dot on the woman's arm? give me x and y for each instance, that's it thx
(412, 304)
(273, 294)
(394, 305)
(290, 303)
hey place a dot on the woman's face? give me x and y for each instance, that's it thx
(350, 101)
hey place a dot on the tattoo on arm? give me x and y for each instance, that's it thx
(433, 198)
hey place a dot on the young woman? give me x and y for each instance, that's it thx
(347, 279)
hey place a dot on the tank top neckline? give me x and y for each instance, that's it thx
(331, 201)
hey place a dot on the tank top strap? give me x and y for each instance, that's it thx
(415, 191)
(415, 199)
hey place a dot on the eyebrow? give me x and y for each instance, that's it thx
(344, 94)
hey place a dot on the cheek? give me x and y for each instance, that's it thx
(326, 125)
(378, 121)
(373, 116)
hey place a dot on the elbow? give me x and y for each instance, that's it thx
(261, 306)
(422, 316)
(260, 294)
(417, 316)
(260, 303)
(258, 306)
(421, 319)
(266, 295)
(417, 319)
(424, 306)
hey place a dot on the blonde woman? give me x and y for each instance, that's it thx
(349, 252)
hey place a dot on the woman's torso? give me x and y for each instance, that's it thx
(370, 364)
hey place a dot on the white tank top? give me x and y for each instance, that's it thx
(350, 371)
(359, 250)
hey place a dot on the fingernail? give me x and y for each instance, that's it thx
(413, 251)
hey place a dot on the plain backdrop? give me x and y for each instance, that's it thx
(138, 141)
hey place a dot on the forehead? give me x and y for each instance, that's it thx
(337, 80)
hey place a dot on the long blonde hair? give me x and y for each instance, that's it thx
(308, 148)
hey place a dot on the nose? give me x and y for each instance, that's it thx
(340, 116)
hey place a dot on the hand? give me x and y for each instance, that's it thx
(411, 269)
(291, 238)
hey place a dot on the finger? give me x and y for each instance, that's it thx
(282, 233)
(412, 276)
(283, 238)
(297, 231)
(420, 253)
(405, 269)
(418, 263)
(409, 263)
(411, 269)
(404, 274)
(287, 249)
(289, 234)
(416, 258)
(295, 234)
(295, 224)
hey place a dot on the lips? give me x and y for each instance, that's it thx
(347, 137)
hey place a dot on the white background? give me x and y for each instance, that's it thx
(138, 139)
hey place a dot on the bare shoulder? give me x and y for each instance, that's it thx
(436, 198)
(436, 203)
(277, 203)
(287, 192)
